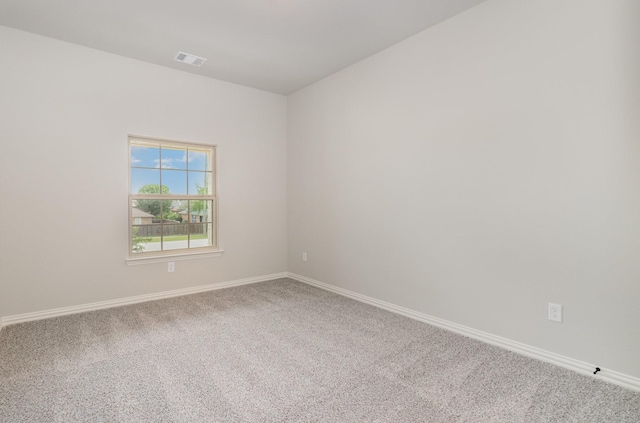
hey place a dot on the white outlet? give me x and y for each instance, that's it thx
(171, 267)
(304, 256)
(555, 312)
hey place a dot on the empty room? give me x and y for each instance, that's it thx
(320, 211)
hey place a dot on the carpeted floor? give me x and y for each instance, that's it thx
(280, 351)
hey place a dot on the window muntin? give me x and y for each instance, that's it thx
(172, 197)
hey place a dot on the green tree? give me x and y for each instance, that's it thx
(137, 241)
(170, 215)
(158, 208)
(200, 206)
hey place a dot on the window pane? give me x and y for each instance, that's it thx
(175, 181)
(199, 160)
(145, 238)
(181, 170)
(175, 237)
(149, 210)
(143, 178)
(200, 235)
(174, 158)
(144, 156)
(200, 183)
(200, 211)
(178, 210)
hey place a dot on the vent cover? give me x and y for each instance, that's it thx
(189, 59)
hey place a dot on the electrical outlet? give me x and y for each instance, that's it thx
(304, 256)
(555, 312)
(171, 267)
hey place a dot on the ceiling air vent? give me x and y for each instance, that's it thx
(189, 59)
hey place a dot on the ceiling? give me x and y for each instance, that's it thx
(274, 45)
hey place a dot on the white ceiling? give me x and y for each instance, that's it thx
(274, 45)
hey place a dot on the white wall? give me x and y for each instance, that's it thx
(474, 172)
(481, 169)
(65, 114)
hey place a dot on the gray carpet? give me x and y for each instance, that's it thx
(280, 351)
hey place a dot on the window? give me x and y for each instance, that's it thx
(172, 198)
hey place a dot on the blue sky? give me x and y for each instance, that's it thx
(151, 164)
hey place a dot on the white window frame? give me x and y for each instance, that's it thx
(174, 254)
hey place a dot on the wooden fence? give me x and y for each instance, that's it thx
(168, 230)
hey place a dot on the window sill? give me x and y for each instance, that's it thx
(172, 257)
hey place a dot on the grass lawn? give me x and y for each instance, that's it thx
(178, 237)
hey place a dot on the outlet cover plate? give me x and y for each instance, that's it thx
(555, 312)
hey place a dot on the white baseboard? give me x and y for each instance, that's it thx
(582, 367)
(610, 376)
(46, 314)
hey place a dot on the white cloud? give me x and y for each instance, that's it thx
(193, 157)
(164, 163)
